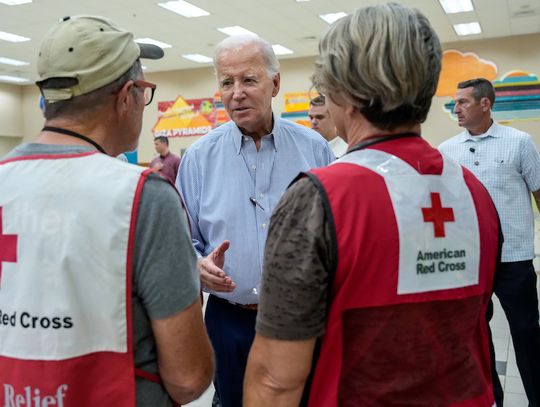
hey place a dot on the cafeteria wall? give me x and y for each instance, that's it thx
(21, 117)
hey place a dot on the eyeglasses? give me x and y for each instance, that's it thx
(148, 88)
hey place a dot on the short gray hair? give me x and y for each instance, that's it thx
(88, 104)
(385, 60)
(239, 41)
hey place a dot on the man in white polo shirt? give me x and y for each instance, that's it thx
(506, 161)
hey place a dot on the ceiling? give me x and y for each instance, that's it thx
(293, 24)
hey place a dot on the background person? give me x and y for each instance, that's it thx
(507, 162)
(166, 163)
(100, 259)
(231, 179)
(394, 277)
(322, 123)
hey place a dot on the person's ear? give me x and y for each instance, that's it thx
(485, 104)
(277, 82)
(124, 98)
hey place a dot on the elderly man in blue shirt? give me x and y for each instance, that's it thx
(231, 180)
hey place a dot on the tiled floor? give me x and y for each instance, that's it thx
(514, 394)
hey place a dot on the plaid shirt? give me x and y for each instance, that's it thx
(506, 161)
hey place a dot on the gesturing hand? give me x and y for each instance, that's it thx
(211, 270)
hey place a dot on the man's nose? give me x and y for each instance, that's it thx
(238, 91)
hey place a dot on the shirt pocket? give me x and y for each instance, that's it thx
(502, 171)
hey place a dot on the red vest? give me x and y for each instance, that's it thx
(68, 222)
(407, 320)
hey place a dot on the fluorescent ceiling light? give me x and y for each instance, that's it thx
(302, 1)
(15, 62)
(235, 30)
(202, 59)
(332, 17)
(12, 37)
(184, 8)
(456, 6)
(281, 50)
(15, 2)
(467, 29)
(14, 79)
(153, 42)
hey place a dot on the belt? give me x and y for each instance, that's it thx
(250, 307)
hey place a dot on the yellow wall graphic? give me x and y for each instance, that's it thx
(458, 67)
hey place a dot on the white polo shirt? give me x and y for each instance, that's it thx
(506, 161)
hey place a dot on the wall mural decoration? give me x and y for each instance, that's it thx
(296, 107)
(189, 117)
(517, 97)
(459, 66)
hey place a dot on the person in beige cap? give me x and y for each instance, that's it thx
(99, 293)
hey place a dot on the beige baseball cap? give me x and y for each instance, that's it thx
(91, 49)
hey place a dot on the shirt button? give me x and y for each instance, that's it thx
(476, 163)
(253, 167)
(261, 195)
(263, 225)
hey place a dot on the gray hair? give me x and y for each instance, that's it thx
(385, 60)
(88, 104)
(239, 41)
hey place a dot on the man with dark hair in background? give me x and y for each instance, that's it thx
(506, 161)
(166, 163)
(321, 122)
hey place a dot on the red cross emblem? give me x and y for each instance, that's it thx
(437, 214)
(8, 247)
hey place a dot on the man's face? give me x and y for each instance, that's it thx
(322, 122)
(246, 88)
(469, 111)
(160, 146)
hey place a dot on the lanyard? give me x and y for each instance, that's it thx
(74, 134)
(381, 138)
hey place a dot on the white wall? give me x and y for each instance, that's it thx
(20, 115)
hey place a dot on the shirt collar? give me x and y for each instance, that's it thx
(238, 137)
(493, 131)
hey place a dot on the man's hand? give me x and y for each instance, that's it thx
(157, 166)
(211, 270)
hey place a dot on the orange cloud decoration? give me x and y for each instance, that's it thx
(458, 66)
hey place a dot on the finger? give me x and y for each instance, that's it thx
(222, 248)
(218, 285)
(207, 266)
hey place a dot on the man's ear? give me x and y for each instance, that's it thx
(277, 82)
(124, 98)
(485, 103)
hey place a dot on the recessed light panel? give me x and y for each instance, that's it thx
(13, 79)
(15, 2)
(468, 29)
(281, 50)
(153, 42)
(330, 18)
(202, 59)
(184, 8)
(14, 62)
(456, 6)
(235, 30)
(12, 37)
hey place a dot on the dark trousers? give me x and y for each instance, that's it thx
(231, 330)
(515, 286)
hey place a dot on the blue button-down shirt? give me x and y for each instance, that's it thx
(506, 161)
(230, 190)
